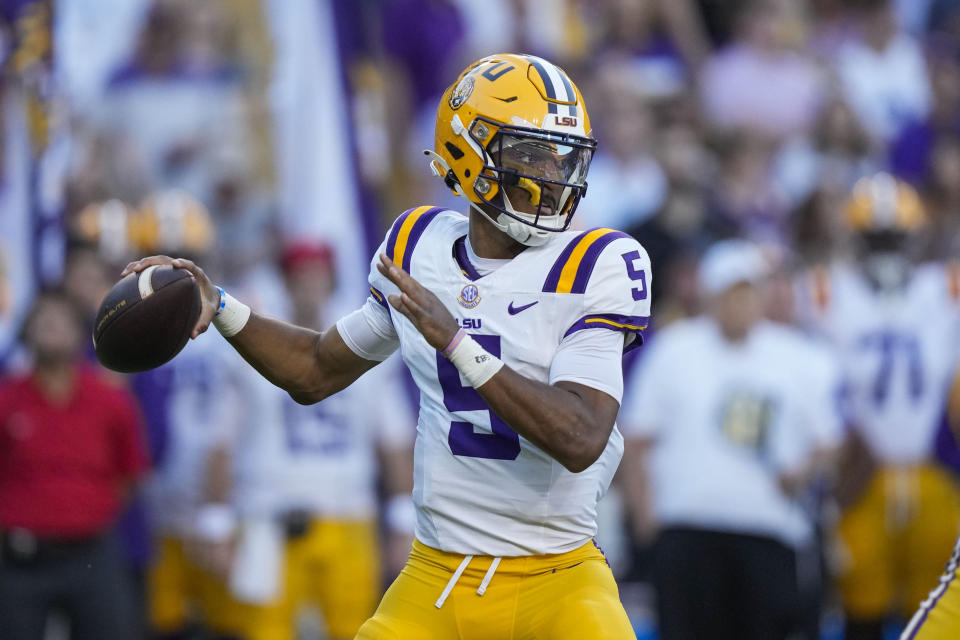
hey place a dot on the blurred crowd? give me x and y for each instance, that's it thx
(274, 141)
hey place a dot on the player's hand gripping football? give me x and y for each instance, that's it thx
(420, 306)
(209, 296)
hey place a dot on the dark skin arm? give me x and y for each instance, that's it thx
(571, 422)
(307, 364)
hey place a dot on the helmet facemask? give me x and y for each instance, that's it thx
(885, 256)
(535, 178)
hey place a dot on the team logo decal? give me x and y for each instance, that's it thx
(469, 296)
(461, 93)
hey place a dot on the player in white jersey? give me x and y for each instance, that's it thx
(306, 482)
(513, 329)
(896, 327)
(197, 404)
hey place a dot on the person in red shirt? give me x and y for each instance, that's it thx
(71, 447)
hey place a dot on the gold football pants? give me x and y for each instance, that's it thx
(892, 542)
(566, 596)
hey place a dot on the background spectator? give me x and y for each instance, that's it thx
(71, 448)
(725, 420)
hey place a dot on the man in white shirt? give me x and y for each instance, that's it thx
(724, 422)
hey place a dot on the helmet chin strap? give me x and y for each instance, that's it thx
(522, 233)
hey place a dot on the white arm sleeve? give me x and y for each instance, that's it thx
(369, 332)
(591, 358)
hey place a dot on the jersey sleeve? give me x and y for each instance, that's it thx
(590, 358)
(369, 331)
(616, 294)
(379, 287)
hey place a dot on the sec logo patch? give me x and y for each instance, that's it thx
(469, 296)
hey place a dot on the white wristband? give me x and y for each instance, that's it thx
(215, 522)
(231, 316)
(400, 515)
(475, 363)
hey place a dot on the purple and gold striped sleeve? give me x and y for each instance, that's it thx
(611, 271)
(401, 241)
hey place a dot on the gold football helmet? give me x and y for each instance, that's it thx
(105, 225)
(883, 203)
(513, 136)
(172, 221)
(888, 221)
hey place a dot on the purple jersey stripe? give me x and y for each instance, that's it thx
(590, 258)
(418, 228)
(611, 321)
(460, 255)
(395, 231)
(553, 278)
(379, 297)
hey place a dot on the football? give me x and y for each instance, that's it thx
(146, 319)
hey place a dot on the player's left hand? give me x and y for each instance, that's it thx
(419, 305)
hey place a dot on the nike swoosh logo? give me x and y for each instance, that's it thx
(512, 310)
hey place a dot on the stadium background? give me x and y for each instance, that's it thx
(293, 121)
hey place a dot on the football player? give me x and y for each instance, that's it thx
(306, 482)
(895, 324)
(195, 406)
(938, 617)
(513, 329)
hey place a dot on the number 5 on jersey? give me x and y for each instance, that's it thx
(503, 443)
(636, 274)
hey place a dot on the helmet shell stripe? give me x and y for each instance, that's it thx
(568, 87)
(557, 85)
(559, 90)
(548, 86)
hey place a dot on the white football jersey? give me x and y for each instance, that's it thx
(197, 402)
(898, 353)
(479, 487)
(728, 419)
(320, 458)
